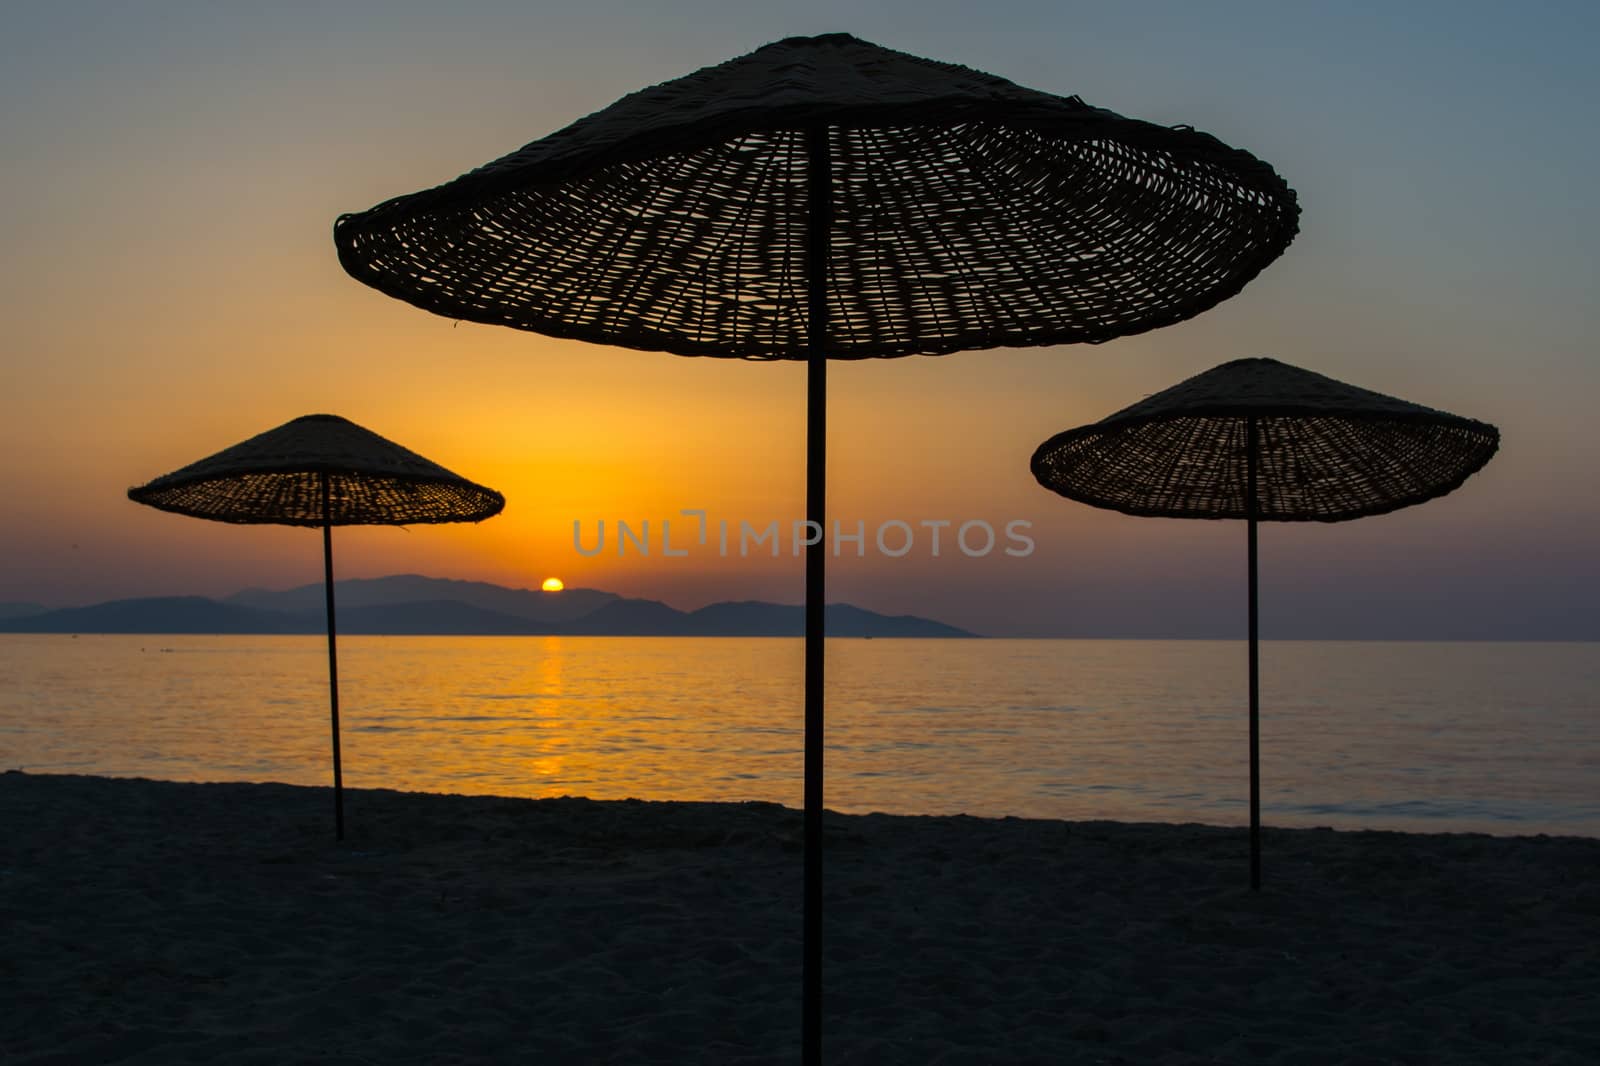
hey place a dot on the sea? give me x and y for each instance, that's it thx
(1499, 738)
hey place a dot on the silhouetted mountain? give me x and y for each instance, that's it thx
(843, 620)
(614, 617)
(10, 610)
(753, 618)
(162, 614)
(633, 618)
(528, 604)
(429, 618)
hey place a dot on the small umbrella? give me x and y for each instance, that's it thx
(321, 470)
(1264, 441)
(823, 197)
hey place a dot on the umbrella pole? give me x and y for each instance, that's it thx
(819, 218)
(1255, 686)
(333, 658)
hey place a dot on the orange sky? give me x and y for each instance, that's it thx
(170, 288)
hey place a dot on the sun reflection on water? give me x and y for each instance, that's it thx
(1400, 736)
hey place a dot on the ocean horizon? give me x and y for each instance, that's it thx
(1497, 737)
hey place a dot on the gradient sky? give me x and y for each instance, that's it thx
(169, 287)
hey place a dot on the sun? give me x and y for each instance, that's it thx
(553, 584)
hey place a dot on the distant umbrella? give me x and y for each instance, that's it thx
(825, 198)
(321, 470)
(1264, 441)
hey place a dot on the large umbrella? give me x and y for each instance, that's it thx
(321, 470)
(1264, 441)
(823, 197)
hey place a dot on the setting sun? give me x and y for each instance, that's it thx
(552, 584)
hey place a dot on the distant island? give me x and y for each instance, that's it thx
(410, 604)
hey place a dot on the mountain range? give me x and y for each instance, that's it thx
(410, 604)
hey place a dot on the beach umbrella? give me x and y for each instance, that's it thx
(321, 470)
(1264, 441)
(823, 197)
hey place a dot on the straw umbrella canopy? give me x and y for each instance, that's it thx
(823, 197)
(321, 470)
(1261, 440)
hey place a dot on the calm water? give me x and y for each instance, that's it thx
(1501, 738)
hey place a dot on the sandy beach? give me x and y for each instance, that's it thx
(157, 922)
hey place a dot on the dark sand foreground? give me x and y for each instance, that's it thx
(154, 922)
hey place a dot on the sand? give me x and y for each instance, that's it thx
(157, 922)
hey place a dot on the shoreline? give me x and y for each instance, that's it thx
(168, 922)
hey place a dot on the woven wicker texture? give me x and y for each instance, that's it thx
(276, 478)
(1326, 451)
(968, 212)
